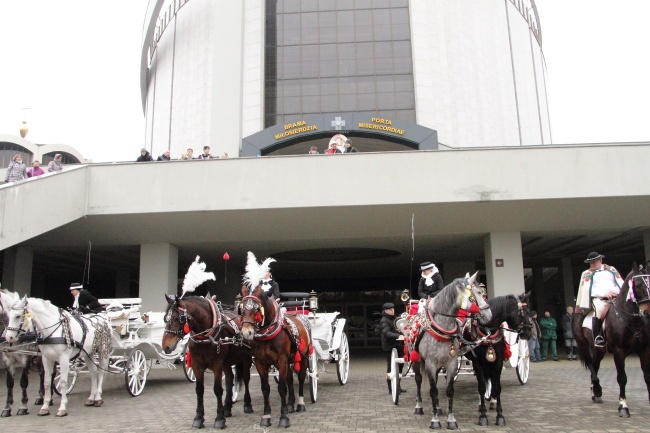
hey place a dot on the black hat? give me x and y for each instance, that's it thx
(426, 265)
(388, 305)
(593, 256)
(76, 286)
(533, 313)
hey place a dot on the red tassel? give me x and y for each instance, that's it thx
(415, 356)
(186, 328)
(406, 357)
(188, 360)
(507, 353)
(296, 361)
(474, 309)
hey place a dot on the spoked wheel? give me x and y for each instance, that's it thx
(394, 376)
(523, 363)
(313, 377)
(73, 372)
(343, 363)
(136, 372)
(189, 373)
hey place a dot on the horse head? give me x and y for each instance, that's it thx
(523, 323)
(638, 281)
(16, 322)
(474, 294)
(175, 320)
(257, 310)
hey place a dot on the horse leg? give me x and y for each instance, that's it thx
(285, 376)
(246, 373)
(199, 389)
(596, 389)
(93, 372)
(41, 386)
(644, 358)
(48, 372)
(480, 378)
(64, 365)
(302, 376)
(419, 410)
(11, 371)
(230, 381)
(452, 366)
(433, 393)
(220, 420)
(496, 391)
(291, 395)
(266, 391)
(621, 378)
(24, 381)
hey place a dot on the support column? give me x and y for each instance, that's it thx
(158, 275)
(539, 294)
(17, 270)
(568, 283)
(646, 245)
(504, 263)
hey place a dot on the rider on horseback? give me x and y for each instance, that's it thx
(598, 285)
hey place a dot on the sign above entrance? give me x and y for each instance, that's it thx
(351, 124)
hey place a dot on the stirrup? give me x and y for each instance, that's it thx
(599, 341)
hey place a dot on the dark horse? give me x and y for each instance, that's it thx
(488, 357)
(627, 331)
(23, 354)
(215, 343)
(277, 339)
(433, 341)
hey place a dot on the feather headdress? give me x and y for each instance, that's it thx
(196, 276)
(255, 271)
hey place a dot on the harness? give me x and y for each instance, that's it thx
(270, 331)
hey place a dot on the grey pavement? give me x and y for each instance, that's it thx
(555, 399)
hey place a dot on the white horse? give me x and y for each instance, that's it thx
(22, 355)
(64, 337)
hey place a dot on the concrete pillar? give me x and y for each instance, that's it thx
(539, 294)
(122, 283)
(646, 245)
(158, 275)
(504, 263)
(568, 284)
(453, 270)
(17, 270)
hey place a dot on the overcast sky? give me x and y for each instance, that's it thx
(75, 64)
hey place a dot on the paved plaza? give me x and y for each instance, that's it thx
(555, 399)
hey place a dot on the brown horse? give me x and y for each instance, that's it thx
(627, 331)
(277, 339)
(215, 343)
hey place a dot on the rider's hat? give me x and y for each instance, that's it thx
(426, 265)
(388, 305)
(76, 286)
(593, 256)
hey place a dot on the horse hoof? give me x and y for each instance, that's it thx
(61, 413)
(89, 403)
(623, 412)
(284, 422)
(452, 425)
(265, 422)
(22, 411)
(483, 421)
(435, 425)
(227, 413)
(43, 412)
(39, 401)
(98, 403)
(290, 408)
(220, 424)
(501, 421)
(248, 408)
(418, 411)
(5, 413)
(301, 408)
(197, 423)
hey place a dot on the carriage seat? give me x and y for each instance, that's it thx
(295, 302)
(121, 312)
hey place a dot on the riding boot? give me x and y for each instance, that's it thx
(569, 355)
(597, 326)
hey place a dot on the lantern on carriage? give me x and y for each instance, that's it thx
(313, 301)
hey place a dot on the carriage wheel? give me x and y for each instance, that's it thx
(394, 376)
(488, 389)
(523, 363)
(236, 385)
(313, 377)
(73, 372)
(135, 375)
(343, 363)
(189, 373)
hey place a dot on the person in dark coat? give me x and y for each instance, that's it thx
(84, 301)
(430, 282)
(569, 342)
(390, 339)
(270, 286)
(144, 156)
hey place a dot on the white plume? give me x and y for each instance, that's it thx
(196, 276)
(254, 271)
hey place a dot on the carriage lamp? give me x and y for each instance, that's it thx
(237, 302)
(405, 296)
(313, 301)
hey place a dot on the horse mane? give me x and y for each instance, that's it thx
(499, 305)
(447, 298)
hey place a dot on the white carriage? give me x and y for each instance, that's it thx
(136, 342)
(328, 338)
